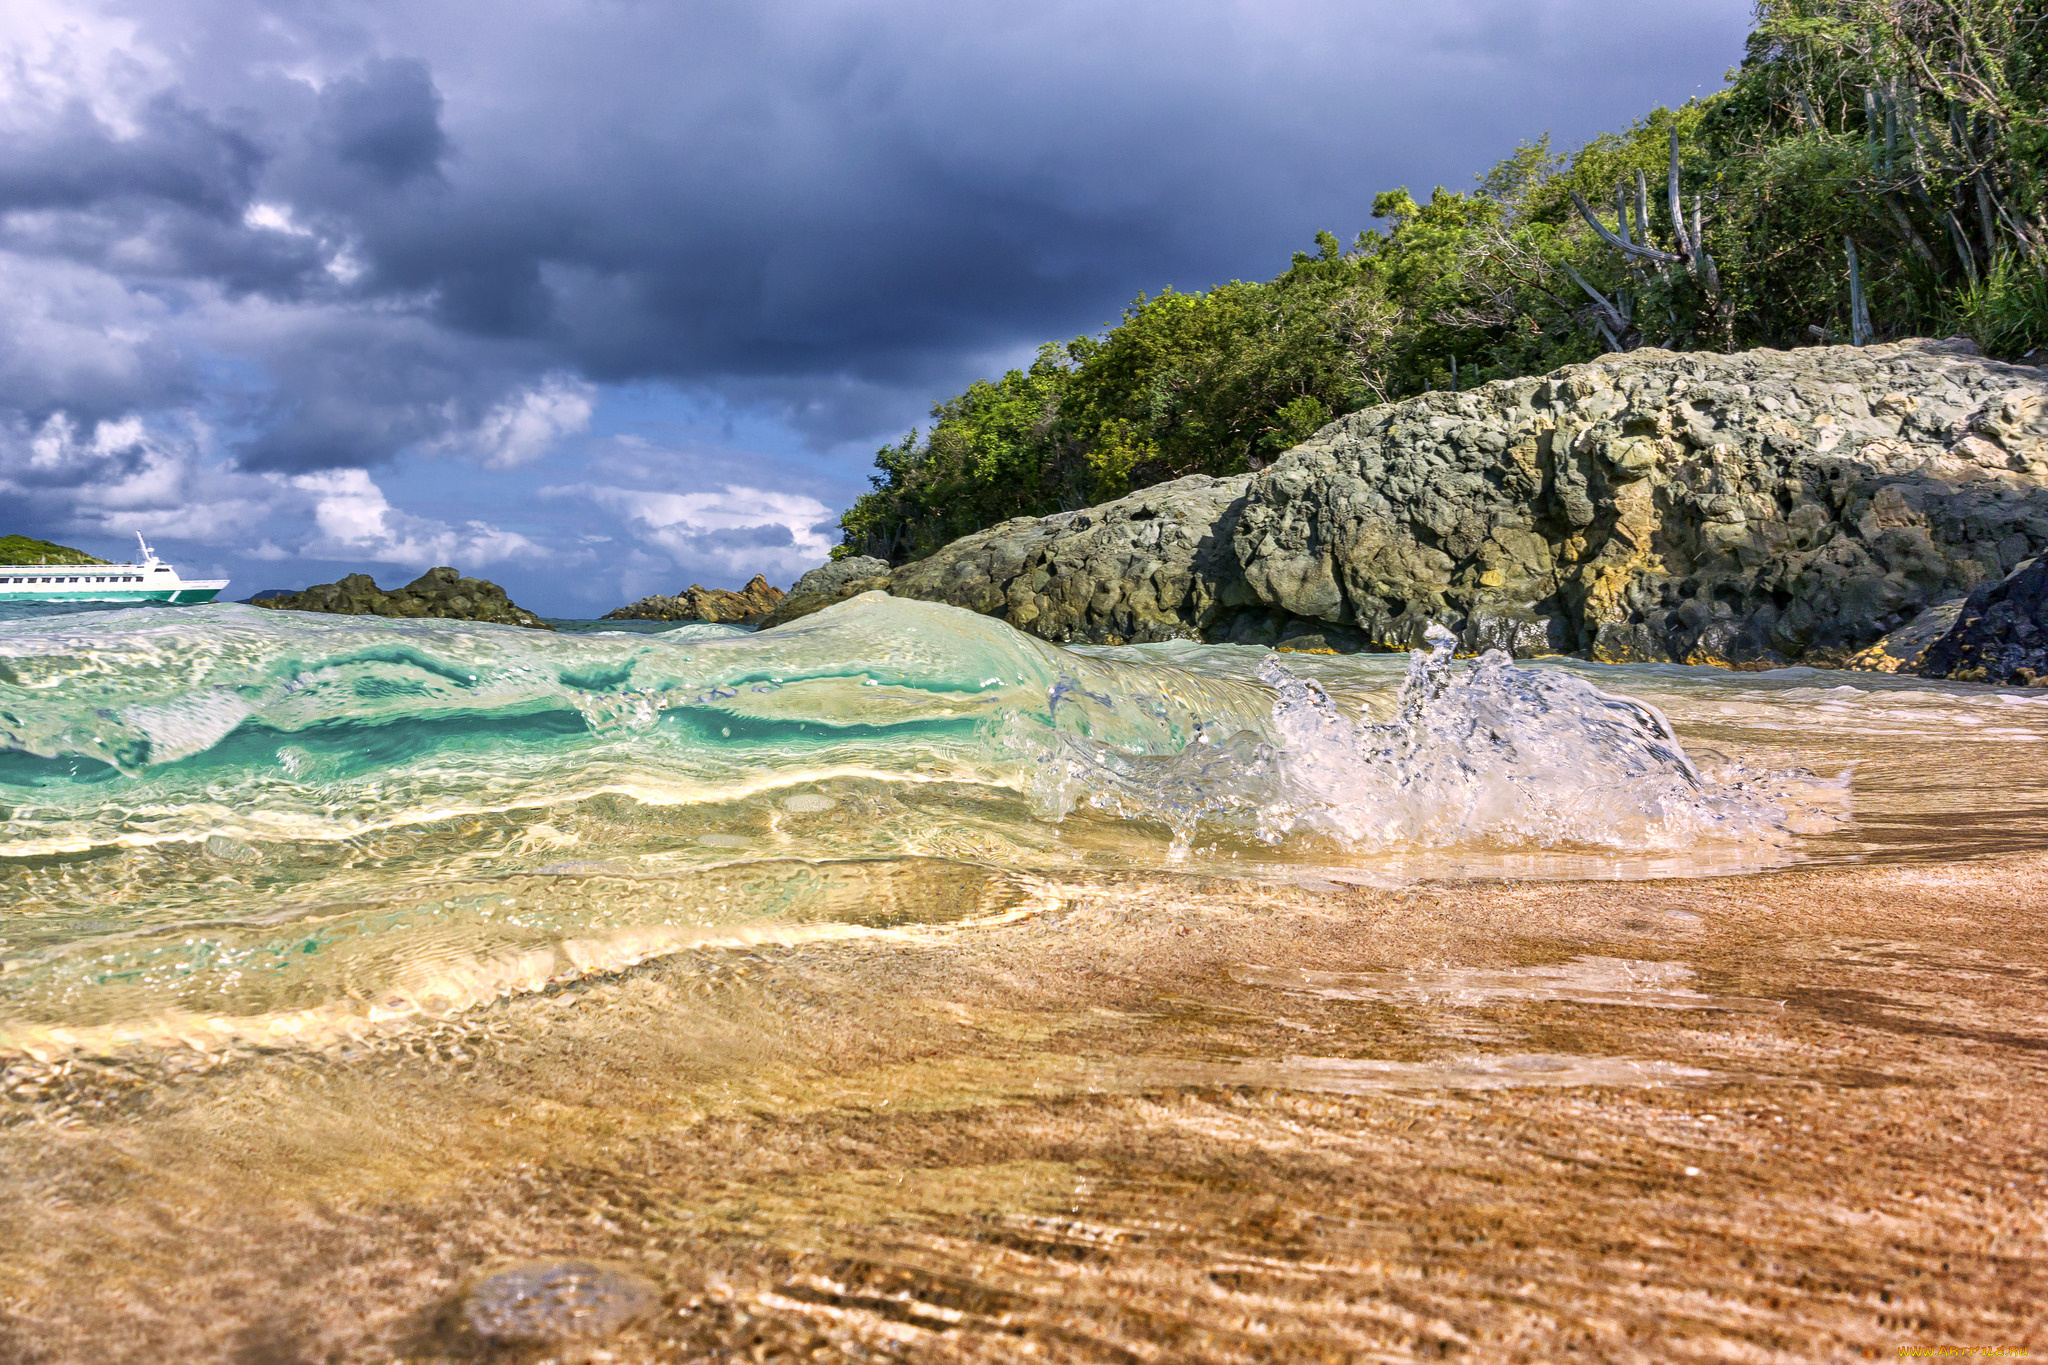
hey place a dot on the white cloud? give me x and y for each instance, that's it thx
(165, 479)
(522, 428)
(60, 51)
(741, 530)
(274, 218)
(119, 477)
(356, 521)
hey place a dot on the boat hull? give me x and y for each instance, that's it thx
(187, 594)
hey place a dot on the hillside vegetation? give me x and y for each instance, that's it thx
(1874, 169)
(28, 550)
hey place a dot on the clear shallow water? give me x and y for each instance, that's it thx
(226, 825)
(898, 987)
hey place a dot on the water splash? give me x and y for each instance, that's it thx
(1493, 754)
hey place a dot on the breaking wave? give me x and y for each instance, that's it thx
(1490, 754)
(262, 725)
(223, 825)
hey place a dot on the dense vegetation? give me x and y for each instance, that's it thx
(1875, 168)
(28, 550)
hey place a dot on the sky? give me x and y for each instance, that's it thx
(597, 298)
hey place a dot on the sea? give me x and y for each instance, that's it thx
(319, 935)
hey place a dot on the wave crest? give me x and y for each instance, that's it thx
(1490, 754)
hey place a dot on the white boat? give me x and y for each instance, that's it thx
(150, 581)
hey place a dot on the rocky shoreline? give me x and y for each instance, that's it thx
(1880, 508)
(440, 593)
(699, 603)
(1751, 510)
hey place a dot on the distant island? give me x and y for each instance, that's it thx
(440, 593)
(29, 550)
(699, 603)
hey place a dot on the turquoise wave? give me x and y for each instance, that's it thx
(228, 825)
(130, 727)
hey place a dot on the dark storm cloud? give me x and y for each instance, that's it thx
(396, 218)
(177, 157)
(387, 121)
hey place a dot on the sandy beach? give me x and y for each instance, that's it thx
(1796, 1116)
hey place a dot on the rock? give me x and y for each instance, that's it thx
(1751, 509)
(556, 1301)
(827, 584)
(1156, 565)
(2001, 635)
(1755, 509)
(831, 578)
(439, 593)
(698, 603)
(798, 605)
(1902, 650)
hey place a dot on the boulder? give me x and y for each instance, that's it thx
(699, 603)
(798, 605)
(827, 584)
(1752, 509)
(1755, 509)
(1903, 649)
(2001, 635)
(831, 578)
(1156, 565)
(441, 593)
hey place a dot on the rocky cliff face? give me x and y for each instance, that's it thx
(1752, 509)
(699, 603)
(440, 593)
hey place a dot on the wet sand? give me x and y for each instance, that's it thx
(1799, 1116)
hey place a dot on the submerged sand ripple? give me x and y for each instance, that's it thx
(1098, 1135)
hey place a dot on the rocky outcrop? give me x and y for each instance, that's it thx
(827, 584)
(1156, 565)
(698, 603)
(1754, 509)
(1902, 650)
(2001, 635)
(834, 578)
(441, 593)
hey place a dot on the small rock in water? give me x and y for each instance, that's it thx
(230, 850)
(550, 1300)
